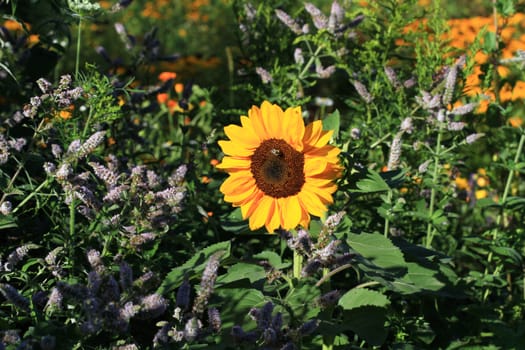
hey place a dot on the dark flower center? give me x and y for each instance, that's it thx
(278, 169)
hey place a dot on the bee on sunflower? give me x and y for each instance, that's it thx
(280, 171)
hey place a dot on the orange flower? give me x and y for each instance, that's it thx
(64, 114)
(165, 76)
(505, 94)
(162, 98)
(518, 92)
(13, 25)
(178, 88)
(515, 121)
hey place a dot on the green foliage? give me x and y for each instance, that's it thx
(115, 233)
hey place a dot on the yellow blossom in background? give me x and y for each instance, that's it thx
(480, 194)
(461, 183)
(281, 171)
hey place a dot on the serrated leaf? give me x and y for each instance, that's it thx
(359, 297)
(193, 266)
(372, 183)
(242, 271)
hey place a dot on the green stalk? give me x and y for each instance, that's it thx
(297, 264)
(506, 191)
(328, 340)
(499, 219)
(31, 195)
(387, 221)
(70, 238)
(77, 59)
(431, 231)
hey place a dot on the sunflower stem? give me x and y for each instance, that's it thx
(297, 264)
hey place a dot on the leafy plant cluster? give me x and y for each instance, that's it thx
(113, 229)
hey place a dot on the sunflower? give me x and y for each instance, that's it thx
(280, 171)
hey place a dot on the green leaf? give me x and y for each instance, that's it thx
(193, 266)
(273, 258)
(234, 222)
(359, 297)
(489, 42)
(301, 300)
(242, 271)
(505, 7)
(236, 303)
(372, 183)
(418, 278)
(332, 122)
(369, 323)
(7, 222)
(377, 249)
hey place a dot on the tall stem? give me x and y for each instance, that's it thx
(501, 215)
(430, 226)
(297, 264)
(77, 59)
(387, 220)
(506, 191)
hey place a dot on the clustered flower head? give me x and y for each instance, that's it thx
(193, 322)
(107, 302)
(281, 171)
(155, 200)
(326, 252)
(271, 332)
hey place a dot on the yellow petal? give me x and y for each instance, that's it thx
(232, 163)
(323, 193)
(248, 125)
(272, 116)
(237, 182)
(242, 135)
(241, 198)
(314, 166)
(324, 138)
(312, 202)
(258, 123)
(274, 217)
(312, 132)
(261, 213)
(291, 212)
(295, 130)
(305, 218)
(235, 149)
(249, 206)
